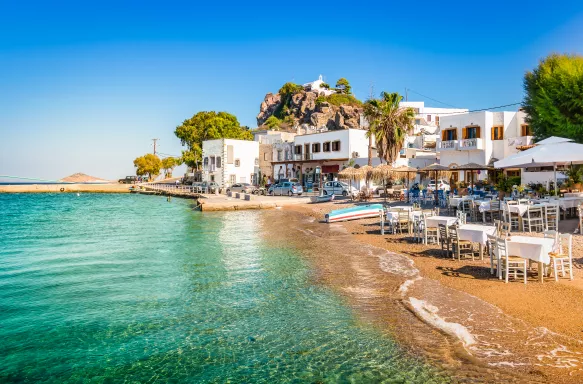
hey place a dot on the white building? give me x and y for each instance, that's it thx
(428, 118)
(229, 161)
(482, 138)
(316, 86)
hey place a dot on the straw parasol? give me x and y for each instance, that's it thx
(382, 172)
(435, 168)
(365, 171)
(350, 174)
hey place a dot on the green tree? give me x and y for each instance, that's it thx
(389, 123)
(343, 86)
(207, 126)
(290, 89)
(272, 122)
(168, 165)
(148, 165)
(554, 97)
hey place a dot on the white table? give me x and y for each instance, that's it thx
(570, 202)
(533, 248)
(476, 234)
(573, 194)
(455, 201)
(392, 215)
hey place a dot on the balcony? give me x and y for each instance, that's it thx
(471, 144)
(519, 141)
(450, 145)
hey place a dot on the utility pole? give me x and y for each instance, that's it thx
(155, 140)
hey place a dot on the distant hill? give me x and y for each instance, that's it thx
(82, 178)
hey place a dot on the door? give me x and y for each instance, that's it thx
(337, 188)
(307, 151)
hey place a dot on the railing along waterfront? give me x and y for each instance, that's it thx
(176, 189)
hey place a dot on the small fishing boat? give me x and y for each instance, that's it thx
(321, 198)
(358, 212)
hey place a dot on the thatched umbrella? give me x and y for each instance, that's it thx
(382, 172)
(471, 167)
(410, 172)
(435, 168)
(349, 173)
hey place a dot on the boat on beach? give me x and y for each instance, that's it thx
(321, 198)
(358, 212)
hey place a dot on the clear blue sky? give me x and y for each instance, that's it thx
(84, 88)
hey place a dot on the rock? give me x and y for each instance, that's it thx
(302, 109)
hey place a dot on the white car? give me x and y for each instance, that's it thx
(443, 185)
(338, 188)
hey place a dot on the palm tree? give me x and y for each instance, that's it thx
(389, 123)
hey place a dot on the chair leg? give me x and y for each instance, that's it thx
(507, 270)
(571, 269)
(524, 272)
(555, 270)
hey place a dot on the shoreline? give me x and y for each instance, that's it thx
(535, 312)
(65, 188)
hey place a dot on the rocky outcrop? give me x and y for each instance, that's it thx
(305, 108)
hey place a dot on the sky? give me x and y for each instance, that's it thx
(86, 86)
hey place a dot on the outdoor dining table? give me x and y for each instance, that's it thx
(570, 202)
(476, 234)
(533, 248)
(573, 194)
(455, 201)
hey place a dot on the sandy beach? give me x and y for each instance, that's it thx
(487, 329)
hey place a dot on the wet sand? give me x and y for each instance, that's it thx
(453, 313)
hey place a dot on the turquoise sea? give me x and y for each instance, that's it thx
(112, 288)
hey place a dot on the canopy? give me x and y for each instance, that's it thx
(383, 171)
(471, 167)
(544, 155)
(405, 168)
(560, 151)
(435, 167)
(553, 140)
(348, 173)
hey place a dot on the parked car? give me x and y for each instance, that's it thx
(285, 188)
(338, 188)
(442, 185)
(209, 187)
(128, 180)
(241, 187)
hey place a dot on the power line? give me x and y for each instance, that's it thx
(427, 97)
(473, 110)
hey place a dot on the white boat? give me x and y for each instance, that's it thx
(358, 212)
(321, 198)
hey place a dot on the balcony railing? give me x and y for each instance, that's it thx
(518, 141)
(469, 144)
(447, 145)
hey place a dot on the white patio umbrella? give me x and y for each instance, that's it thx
(549, 152)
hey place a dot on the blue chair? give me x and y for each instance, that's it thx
(414, 196)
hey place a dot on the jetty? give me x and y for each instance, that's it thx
(232, 201)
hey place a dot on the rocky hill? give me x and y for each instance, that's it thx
(311, 107)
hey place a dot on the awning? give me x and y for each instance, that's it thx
(330, 168)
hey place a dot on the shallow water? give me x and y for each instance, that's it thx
(475, 342)
(113, 288)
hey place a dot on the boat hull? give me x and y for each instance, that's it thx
(321, 199)
(360, 212)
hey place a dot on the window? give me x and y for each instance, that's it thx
(525, 130)
(436, 120)
(265, 157)
(232, 178)
(498, 132)
(218, 162)
(513, 173)
(237, 163)
(256, 161)
(213, 161)
(336, 145)
(471, 132)
(417, 121)
(230, 154)
(315, 147)
(298, 149)
(429, 118)
(205, 162)
(449, 134)
(326, 147)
